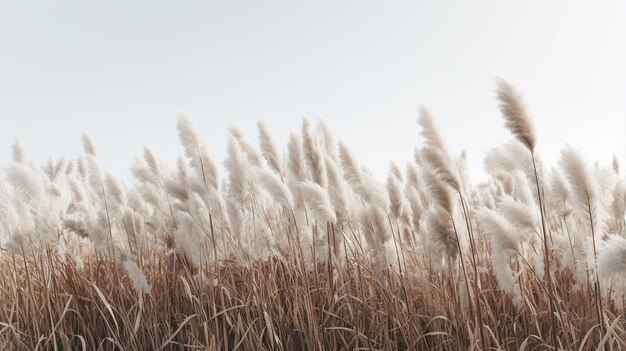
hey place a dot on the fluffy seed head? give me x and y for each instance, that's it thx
(316, 199)
(89, 146)
(515, 114)
(269, 148)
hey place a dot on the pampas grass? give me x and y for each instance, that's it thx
(505, 246)
(518, 121)
(19, 154)
(515, 114)
(89, 145)
(317, 202)
(269, 148)
(313, 154)
(197, 152)
(303, 248)
(275, 187)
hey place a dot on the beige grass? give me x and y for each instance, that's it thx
(308, 251)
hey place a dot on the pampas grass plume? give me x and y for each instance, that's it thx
(274, 186)
(89, 145)
(515, 114)
(317, 201)
(269, 148)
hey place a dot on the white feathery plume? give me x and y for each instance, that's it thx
(135, 202)
(362, 183)
(351, 169)
(505, 246)
(296, 160)
(440, 164)
(252, 154)
(19, 152)
(115, 189)
(615, 165)
(340, 200)
(77, 227)
(413, 177)
(153, 161)
(584, 187)
(198, 153)
(237, 173)
(417, 208)
(337, 188)
(399, 206)
(502, 233)
(462, 174)
(186, 238)
(439, 192)
(487, 198)
(509, 157)
(178, 186)
(55, 190)
(48, 169)
(77, 190)
(89, 146)
(429, 131)
(612, 258)
(316, 200)
(92, 226)
(435, 153)
(618, 206)
(394, 170)
(142, 172)
(96, 181)
(606, 180)
(376, 231)
(150, 195)
(271, 182)
(313, 154)
(516, 117)
(137, 278)
(519, 214)
(81, 166)
(417, 157)
(521, 187)
(58, 168)
(28, 183)
(269, 148)
(328, 139)
(69, 170)
(612, 267)
(128, 218)
(373, 191)
(441, 235)
(560, 193)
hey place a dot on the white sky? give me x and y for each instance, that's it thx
(123, 69)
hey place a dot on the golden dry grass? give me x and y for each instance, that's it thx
(309, 252)
(277, 305)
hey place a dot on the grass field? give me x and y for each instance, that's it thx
(305, 250)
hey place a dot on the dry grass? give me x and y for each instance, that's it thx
(312, 253)
(277, 305)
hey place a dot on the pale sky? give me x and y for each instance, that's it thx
(122, 70)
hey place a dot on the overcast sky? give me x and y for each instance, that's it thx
(122, 70)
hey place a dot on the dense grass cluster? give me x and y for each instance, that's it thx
(306, 250)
